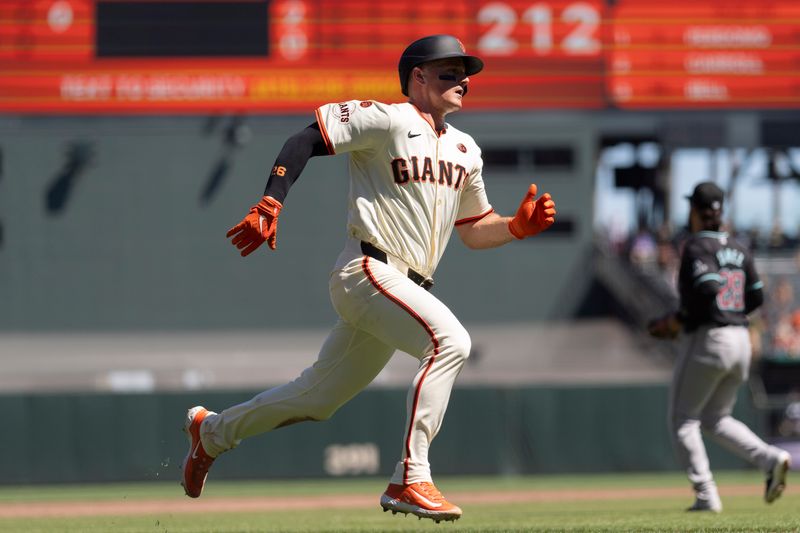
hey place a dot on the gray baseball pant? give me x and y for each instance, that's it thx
(715, 361)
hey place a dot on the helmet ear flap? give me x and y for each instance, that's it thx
(405, 69)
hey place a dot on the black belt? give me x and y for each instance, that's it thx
(380, 255)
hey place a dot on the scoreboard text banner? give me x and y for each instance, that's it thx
(289, 56)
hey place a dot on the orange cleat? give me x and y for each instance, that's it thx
(420, 499)
(197, 461)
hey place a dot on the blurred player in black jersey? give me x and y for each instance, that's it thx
(719, 287)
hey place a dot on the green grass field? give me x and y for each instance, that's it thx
(610, 503)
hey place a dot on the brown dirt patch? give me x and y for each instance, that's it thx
(260, 504)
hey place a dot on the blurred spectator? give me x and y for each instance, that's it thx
(780, 240)
(789, 426)
(643, 250)
(617, 235)
(777, 313)
(786, 340)
(758, 334)
(776, 237)
(750, 238)
(668, 258)
(783, 296)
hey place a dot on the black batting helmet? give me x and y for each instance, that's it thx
(432, 48)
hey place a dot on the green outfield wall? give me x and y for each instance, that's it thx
(123, 437)
(119, 223)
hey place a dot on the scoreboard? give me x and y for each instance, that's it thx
(206, 56)
(689, 54)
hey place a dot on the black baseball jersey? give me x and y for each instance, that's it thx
(718, 281)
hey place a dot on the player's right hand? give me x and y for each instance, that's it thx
(533, 216)
(260, 224)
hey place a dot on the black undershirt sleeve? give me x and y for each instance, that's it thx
(697, 300)
(753, 300)
(753, 297)
(292, 159)
(709, 289)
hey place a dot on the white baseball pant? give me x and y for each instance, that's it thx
(380, 310)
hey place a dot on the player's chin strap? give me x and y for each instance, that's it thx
(452, 77)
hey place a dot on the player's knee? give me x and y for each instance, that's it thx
(459, 344)
(676, 419)
(684, 427)
(710, 422)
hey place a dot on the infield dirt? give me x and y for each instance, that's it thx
(127, 507)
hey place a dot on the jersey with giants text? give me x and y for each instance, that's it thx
(714, 256)
(409, 184)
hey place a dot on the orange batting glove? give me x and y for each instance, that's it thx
(260, 224)
(533, 216)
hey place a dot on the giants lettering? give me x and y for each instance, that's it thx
(400, 170)
(446, 173)
(405, 171)
(427, 170)
(344, 112)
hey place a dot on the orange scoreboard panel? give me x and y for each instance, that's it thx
(717, 54)
(205, 56)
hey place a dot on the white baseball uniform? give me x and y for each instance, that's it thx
(409, 186)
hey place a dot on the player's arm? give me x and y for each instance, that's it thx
(533, 216)
(292, 159)
(700, 283)
(705, 280)
(754, 290)
(708, 286)
(703, 297)
(753, 299)
(261, 223)
(669, 325)
(489, 231)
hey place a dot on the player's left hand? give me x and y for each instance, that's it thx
(665, 327)
(260, 224)
(533, 216)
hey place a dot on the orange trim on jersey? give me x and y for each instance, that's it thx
(475, 218)
(429, 120)
(405, 307)
(325, 136)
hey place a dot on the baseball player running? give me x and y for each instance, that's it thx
(413, 178)
(719, 287)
